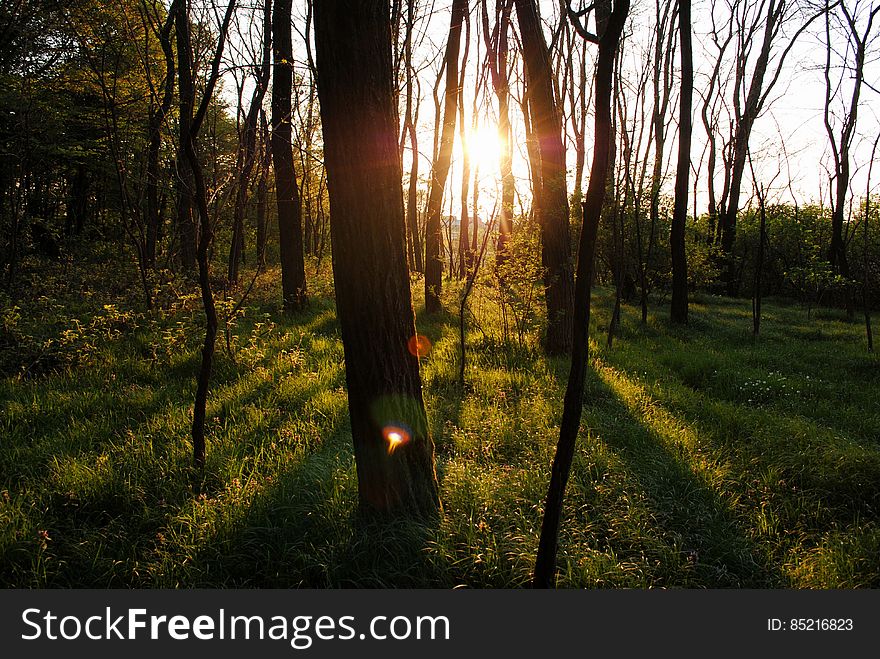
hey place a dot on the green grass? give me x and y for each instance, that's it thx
(705, 458)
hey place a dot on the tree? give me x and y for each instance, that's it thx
(293, 274)
(496, 58)
(157, 118)
(685, 129)
(414, 241)
(664, 50)
(709, 113)
(551, 199)
(609, 26)
(200, 195)
(186, 92)
(749, 100)
(465, 253)
(393, 447)
(433, 236)
(247, 152)
(761, 193)
(866, 273)
(852, 67)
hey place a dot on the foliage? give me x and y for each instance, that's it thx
(517, 280)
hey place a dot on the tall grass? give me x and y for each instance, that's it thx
(705, 459)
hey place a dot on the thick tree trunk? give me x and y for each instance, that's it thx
(393, 448)
(682, 174)
(433, 230)
(290, 238)
(551, 205)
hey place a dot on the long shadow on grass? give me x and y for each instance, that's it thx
(686, 510)
(304, 530)
(105, 492)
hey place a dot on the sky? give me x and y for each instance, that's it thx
(789, 143)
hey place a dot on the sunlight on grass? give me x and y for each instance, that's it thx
(757, 466)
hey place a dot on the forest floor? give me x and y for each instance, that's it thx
(705, 459)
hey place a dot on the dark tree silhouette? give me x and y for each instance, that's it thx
(749, 104)
(158, 114)
(293, 275)
(551, 199)
(433, 235)
(610, 26)
(247, 150)
(496, 60)
(841, 143)
(200, 196)
(393, 448)
(186, 91)
(685, 129)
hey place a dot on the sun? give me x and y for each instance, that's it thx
(484, 147)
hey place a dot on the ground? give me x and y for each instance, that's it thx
(706, 458)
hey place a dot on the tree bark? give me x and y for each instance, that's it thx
(685, 129)
(433, 230)
(263, 190)
(545, 564)
(551, 205)
(293, 274)
(496, 56)
(414, 242)
(247, 152)
(465, 255)
(156, 120)
(200, 195)
(186, 223)
(393, 447)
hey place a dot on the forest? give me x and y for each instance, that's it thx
(439, 293)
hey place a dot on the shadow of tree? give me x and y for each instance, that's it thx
(645, 499)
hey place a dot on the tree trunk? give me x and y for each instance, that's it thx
(200, 195)
(465, 253)
(247, 152)
(433, 231)
(551, 205)
(545, 564)
(156, 121)
(685, 129)
(263, 191)
(496, 56)
(186, 223)
(78, 202)
(759, 264)
(393, 448)
(293, 274)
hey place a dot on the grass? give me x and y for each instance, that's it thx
(705, 459)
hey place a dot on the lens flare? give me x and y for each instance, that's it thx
(419, 345)
(395, 437)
